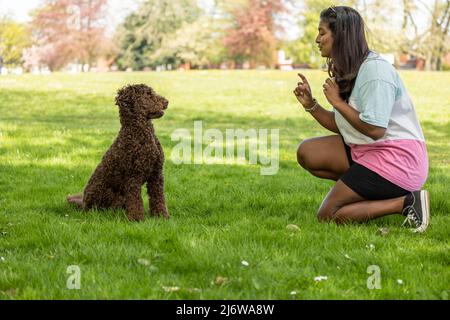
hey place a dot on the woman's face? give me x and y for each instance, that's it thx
(324, 39)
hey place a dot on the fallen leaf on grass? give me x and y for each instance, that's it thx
(383, 231)
(10, 292)
(348, 257)
(144, 262)
(153, 268)
(293, 227)
(220, 280)
(256, 284)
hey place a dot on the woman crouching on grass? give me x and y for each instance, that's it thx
(378, 156)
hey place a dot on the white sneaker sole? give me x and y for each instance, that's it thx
(425, 203)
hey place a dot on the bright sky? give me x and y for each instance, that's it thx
(19, 9)
(119, 9)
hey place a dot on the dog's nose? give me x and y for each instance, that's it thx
(166, 104)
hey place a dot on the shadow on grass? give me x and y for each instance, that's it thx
(205, 192)
(190, 190)
(89, 112)
(221, 188)
(66, 109)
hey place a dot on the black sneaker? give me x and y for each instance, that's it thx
(418, 211)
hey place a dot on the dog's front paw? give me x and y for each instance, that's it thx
(136, 217)
(76, 200)
(162, 213)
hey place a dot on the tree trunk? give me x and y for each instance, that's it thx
(428, 61)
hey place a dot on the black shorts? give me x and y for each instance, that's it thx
(368, 184)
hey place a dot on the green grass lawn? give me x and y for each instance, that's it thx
(54, 130)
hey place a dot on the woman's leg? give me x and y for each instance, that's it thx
(343, 205)
(323, 157)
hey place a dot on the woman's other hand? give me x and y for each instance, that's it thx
(331, 91)
(303, 93)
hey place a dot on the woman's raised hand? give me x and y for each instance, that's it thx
(303, 93)
(331, 91)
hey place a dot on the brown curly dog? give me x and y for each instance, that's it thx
(135, 158)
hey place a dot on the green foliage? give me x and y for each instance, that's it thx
(192, 43)
(14, 37)
(304, 49)
(144, 31)
(54, 133)
(380, 33)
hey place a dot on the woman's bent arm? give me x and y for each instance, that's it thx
(325, 118)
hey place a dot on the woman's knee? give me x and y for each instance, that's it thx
(325, 215)
(303, 154)
(328, 209)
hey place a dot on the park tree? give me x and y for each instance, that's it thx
(192, 44)
(69, 31)
(432, 43)
(14, 38)
(143, 32)
(382, 32)
(252, 35)
(304, 49)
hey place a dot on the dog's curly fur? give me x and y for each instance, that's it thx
(135, 158)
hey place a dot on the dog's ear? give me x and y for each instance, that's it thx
(125, 100)
(124, 95)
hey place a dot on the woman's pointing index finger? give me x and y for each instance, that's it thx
(303, 78)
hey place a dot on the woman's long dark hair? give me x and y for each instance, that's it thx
(350, 47)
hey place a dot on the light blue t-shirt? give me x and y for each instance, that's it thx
(376, 89)
(382, 100)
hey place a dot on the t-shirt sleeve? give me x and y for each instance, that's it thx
(376, 99)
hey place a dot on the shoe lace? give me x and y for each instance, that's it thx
(411, 218)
